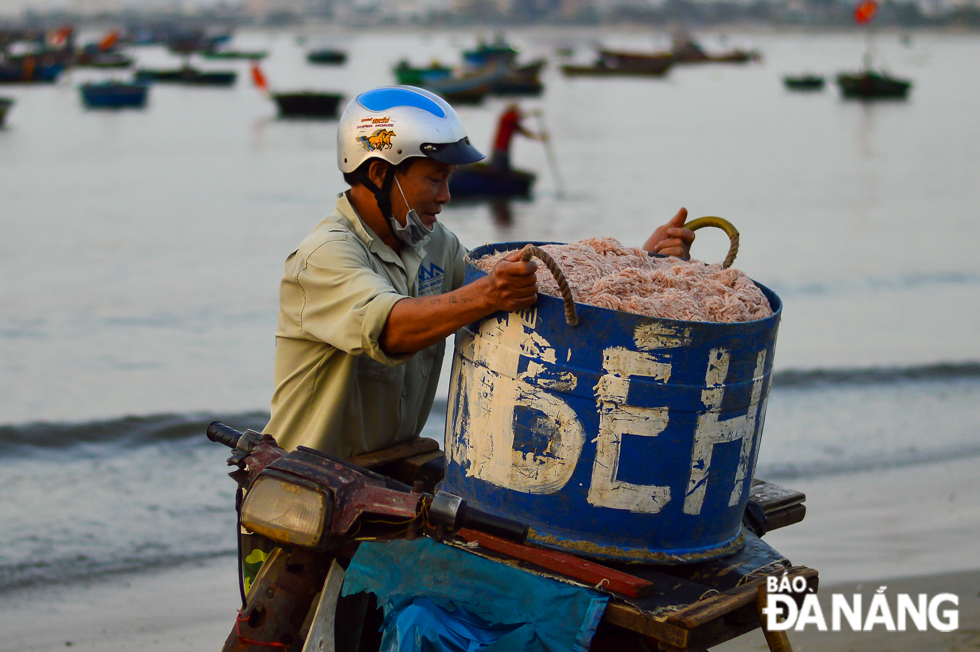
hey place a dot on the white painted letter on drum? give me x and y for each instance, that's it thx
(495, 392)
(617, 419)
(711, 431)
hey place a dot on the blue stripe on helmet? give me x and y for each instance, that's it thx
(382, 99)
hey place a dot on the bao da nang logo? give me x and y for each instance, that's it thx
(900, 612)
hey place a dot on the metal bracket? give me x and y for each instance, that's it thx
(322, 635)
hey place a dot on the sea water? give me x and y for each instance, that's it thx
(140, 254)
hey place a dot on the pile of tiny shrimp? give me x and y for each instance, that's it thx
(602, 272)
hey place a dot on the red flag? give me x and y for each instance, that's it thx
(259, 79)
(109, 40)
(865, 11)
(57, 39)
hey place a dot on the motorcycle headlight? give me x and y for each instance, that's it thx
(285, 511)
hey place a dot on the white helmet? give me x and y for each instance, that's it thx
(394, 123)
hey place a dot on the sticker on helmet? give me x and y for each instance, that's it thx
(378, 141)
(367, 123)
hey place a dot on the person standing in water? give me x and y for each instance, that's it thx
(508, 125)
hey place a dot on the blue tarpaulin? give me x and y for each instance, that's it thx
(441, 599)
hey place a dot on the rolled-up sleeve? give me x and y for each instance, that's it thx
(344, 302)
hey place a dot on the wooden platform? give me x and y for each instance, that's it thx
(689, 607)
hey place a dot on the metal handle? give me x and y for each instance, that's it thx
(724, 225)
(566, 294)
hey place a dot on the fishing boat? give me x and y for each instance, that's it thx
(470, 87)
(627, 59)
(687, 50)
(190, 43)
(95, 58)
(869, 85)
(606, 66)
(235, 54)
(327, 56)
(410, 75)
(480, 180)
(188, 75)
(805, 82)
(5, 104)
(307, 104)
(521, 80)
(114, 95)
(499, 51)
(29, 70)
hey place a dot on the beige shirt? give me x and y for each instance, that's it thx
(336, 390)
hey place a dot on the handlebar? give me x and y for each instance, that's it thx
(453, 513)
(474, 519)
(222, 434)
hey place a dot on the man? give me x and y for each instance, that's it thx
(369, 297)
(508, 125)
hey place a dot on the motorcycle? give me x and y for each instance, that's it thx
(309, 510)
(302, 515)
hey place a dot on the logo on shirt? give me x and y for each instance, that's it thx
(378, 141)
(430, 279)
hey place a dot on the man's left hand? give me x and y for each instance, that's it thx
(672, 239)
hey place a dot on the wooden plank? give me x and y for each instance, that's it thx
(785, 516)
(398, 452)
(723, 626)
(777, 640)
(772, 496)
(414, 468)
(717, 606)
(564, 564)
(631, 618)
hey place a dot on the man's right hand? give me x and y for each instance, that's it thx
(416, 323)
(512, 283)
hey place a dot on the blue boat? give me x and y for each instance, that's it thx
(481, 180)
(27, 69)
(114, 95)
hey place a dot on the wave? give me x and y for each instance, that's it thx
(80, 569)
(125, 431)
(941, 371)
(131, 430)
(821, 468)
(142, 430)
(912, 282)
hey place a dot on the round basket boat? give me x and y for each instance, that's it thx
(625, 437)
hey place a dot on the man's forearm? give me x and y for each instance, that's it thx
(415, 324)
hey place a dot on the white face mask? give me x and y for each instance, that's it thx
(414, 230)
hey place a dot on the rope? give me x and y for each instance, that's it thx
(724, 225)
(247, 641)
(566, 294)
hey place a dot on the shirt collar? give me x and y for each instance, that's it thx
(375, 244)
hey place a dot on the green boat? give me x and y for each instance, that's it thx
(412, 76)
(803, 82)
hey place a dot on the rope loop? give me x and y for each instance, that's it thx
(571, 317)
(724, 225)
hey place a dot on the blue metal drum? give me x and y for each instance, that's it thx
(626, 437)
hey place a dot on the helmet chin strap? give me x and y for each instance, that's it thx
(382, 195)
